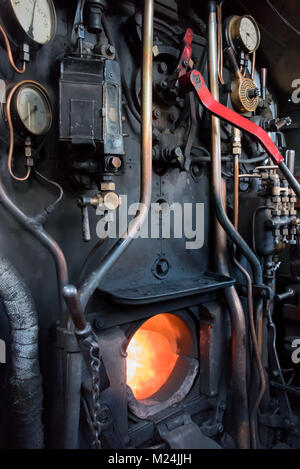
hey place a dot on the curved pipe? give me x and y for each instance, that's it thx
(25, 383)
(92, 282)
(35, 228)
(237, 317)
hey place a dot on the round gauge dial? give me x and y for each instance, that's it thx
(37, 18)
(243, 33)
(249, 33)
(33, 109)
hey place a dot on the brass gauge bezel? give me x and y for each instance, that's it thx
(233, 33)
(15, 30)
(18, 122)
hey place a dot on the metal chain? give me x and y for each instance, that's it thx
(96, 407)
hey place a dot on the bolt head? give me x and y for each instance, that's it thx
(115, 162)
(110, 50)
(162, 67)
(156, 113)
(162, 267)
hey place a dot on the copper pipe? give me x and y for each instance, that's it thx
(9, 53)
(253, 65)
(220, 44)
(256, 346)
(257, 353)
(236, 148)
(245, 175)
(237, 317)
(92, 282)
(236, 192)
(11, 130)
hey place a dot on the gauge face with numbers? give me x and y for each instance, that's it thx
(249, 33)
(243, 33)
(33, 110)
(37, 18)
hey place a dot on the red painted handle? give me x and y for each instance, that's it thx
(186, 53)
(194, 80)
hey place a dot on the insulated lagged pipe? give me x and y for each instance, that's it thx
(25, 381)
(238, 326)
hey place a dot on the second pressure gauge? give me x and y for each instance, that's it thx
(30, 21)
(243, 33)
(31, 110)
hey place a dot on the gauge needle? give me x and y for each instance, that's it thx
(30, 30)
(30, 113)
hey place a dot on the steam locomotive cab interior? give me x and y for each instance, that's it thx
(150, 235)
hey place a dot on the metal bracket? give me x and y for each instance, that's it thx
(183, 433)
(66, 340)
(259, 291)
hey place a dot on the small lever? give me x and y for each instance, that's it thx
(186, 54)
(106, 199)
(290, 293)
(83, 203)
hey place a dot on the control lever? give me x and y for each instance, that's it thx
(186, 55)
(275, 125)
(83, 204)
(194, 81)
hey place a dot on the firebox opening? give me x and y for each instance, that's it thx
(159, 358)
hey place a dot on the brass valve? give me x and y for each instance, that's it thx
(107, 200)
(244, 93)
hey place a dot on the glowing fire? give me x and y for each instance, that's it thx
(151, 356)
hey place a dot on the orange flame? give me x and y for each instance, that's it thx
(151, 357)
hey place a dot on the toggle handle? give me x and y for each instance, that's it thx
(85, 220)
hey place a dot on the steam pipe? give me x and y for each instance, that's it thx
(38, 231)
(92, 282)
(290, 160)
(239, 384)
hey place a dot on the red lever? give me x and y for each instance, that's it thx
(186, 53)
(194, 81)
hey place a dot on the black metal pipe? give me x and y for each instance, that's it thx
(38, 231)
(290, 178)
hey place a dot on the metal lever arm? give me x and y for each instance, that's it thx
(194, 81)
(186, 54)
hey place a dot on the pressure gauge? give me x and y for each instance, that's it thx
(31, 110)
(30, 21)
(242, 32)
